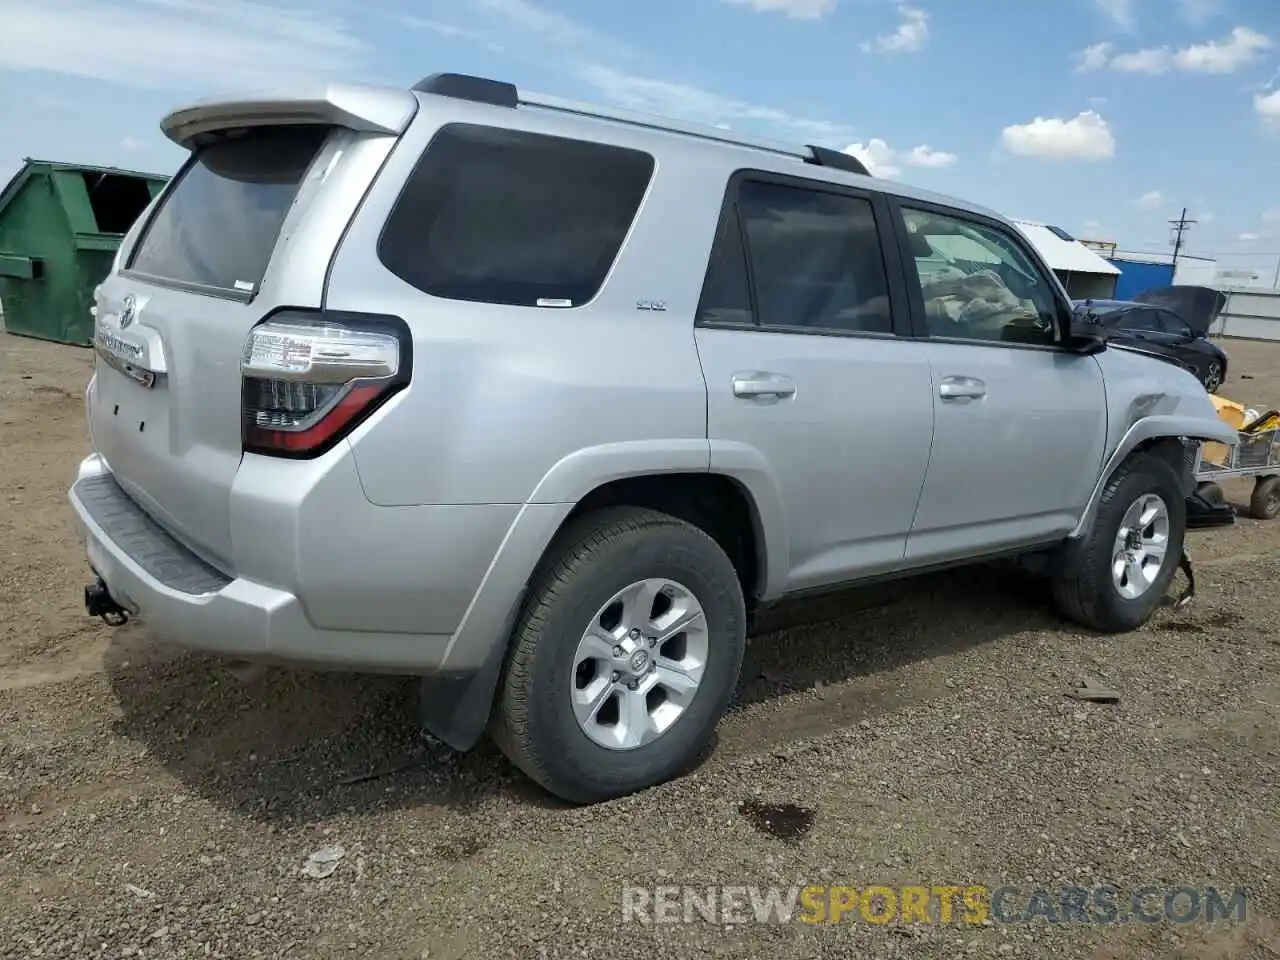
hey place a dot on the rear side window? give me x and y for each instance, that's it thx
(508, 217)
(219, 223)
(815, 261)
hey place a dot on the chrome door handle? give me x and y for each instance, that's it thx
(754, 386)
(961, 388)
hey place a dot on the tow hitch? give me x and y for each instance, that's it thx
(98, 602)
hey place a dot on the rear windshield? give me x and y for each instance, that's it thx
(219, 223)
(504, 216)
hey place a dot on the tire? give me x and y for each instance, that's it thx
(1213, 376)
(597, 558)
(1212, 493)
(1265, 502)
(1091, 596)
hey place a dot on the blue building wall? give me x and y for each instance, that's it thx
(1136, 276)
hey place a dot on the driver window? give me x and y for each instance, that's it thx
(1141, 319)
(977, 283)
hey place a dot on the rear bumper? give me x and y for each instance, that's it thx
(194, 605)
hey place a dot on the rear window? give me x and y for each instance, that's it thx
(507, 217)
(219, 223)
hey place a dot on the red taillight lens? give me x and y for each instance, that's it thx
(309, 379)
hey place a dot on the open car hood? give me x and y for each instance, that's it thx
(1198, 306)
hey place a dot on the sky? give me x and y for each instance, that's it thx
(1103, 117)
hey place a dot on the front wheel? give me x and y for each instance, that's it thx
(1132, 551)
(625, 657)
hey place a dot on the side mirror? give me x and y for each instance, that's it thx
(1083, 333)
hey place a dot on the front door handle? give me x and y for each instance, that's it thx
(762, 386)
(961, 388)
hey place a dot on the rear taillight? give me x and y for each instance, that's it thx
(308, 379)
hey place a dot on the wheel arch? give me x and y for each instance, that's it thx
(1172, 438)
(737, 506)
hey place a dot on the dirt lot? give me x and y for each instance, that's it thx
(153, 805)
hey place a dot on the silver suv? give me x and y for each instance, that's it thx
(542, 401)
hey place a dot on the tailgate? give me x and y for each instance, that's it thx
(247, 226)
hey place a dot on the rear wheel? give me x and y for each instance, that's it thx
(625, 657)
(1265, 502)
(1132, 551)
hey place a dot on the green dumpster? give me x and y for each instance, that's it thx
(60, 227)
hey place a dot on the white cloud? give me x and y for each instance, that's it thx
(796, 9)
(214, 45)
(877, 156)
(912, 33)
(925, 156)
(1094, 57)
(665, 98)
(1229, 55)
(1239, 50)
(1152, 200)
(1084, 137)
(1271, 216)
(1267, 107)
(1119, 12)
(882, 160)
(132, 144)
(1250, 237)
(1152, 60)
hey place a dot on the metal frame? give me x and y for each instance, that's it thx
(1254, 454)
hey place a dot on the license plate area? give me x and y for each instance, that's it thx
(137, 416)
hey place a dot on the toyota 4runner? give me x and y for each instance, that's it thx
(541, 401)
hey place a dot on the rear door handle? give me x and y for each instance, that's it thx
(961, 388)
(762, 386)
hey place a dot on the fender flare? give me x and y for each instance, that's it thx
(455, 705)
(1159, 427)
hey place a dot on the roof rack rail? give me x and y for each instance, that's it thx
(464, 87)
(837, 160)
(502, 94)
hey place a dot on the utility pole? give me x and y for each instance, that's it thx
(1179, 228)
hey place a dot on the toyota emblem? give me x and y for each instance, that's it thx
(128, 309)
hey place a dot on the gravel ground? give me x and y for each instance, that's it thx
(154, 805)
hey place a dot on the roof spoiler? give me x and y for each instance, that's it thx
(365, 109)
